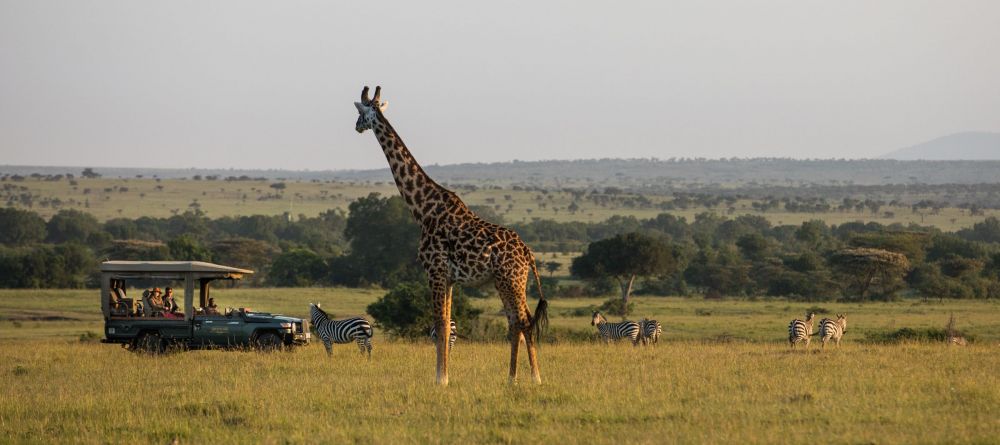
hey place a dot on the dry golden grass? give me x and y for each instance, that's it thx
(678, 392)
(722, 375)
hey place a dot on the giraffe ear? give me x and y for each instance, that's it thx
(360, 107)
(383, 105)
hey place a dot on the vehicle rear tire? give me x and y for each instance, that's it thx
(269, 342)
(150, 343)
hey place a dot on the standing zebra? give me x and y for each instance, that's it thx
(341, 331)
(615, 331)
(833, 329)
(451, 337)
(801, 330)
(650, 331)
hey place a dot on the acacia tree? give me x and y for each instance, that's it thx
(383, 239)
(625, 257)
(864, 267)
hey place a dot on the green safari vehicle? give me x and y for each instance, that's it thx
(152, 324)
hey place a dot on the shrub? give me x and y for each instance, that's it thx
(615, 306)
(406, 311)
(818, 310)
(908, 335)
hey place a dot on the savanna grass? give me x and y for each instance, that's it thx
(679, 392)
(722, 374)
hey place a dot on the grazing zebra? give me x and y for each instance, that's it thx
(650, 331)
(615, 331)
(832, 329)
(341, 331)
(801, 330)
(451, 337)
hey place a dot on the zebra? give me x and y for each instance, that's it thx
(650, 331)
(451, 337)
(341, 331)
(801, 330)
(615, 331)
(833, 329)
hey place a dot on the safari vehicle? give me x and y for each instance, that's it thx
(146, 327)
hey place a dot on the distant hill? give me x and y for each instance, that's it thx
(967, 146)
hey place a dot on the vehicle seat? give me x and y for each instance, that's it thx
(125, 302)
(117, 306)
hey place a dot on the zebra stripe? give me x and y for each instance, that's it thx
(355, 329)
(801, 330)
(615, 331)
(451, 337)
(650, 331)
(832, 329)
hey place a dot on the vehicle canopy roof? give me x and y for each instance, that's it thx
(179, 268)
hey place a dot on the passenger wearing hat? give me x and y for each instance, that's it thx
(156, 300)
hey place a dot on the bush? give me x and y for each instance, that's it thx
(585, 311)
(908, 335)
(818, 310)
(615, 306)
(406, 311)
(571, 291)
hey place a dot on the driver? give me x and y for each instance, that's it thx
(211, 309)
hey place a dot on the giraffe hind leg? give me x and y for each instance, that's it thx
(515, 342)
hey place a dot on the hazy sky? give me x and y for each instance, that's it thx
(270, 84)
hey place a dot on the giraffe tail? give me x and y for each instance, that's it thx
(541, 319)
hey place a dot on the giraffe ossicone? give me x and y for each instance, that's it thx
(459, 247)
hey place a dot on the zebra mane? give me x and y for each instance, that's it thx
(317, 313)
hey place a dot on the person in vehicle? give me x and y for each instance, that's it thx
(155, 301)
(170, 305)
(211, 309)
(168, 301)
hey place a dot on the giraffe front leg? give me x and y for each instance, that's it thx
(441, 294)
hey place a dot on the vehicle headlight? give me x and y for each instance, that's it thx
(286, 325)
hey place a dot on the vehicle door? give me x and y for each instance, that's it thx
(218, 330)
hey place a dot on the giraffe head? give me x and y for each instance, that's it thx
(368, 109)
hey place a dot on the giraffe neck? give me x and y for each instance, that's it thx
(421, 193)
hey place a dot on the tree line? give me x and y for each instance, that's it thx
(374, 244)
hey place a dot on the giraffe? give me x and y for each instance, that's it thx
(459, 247)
